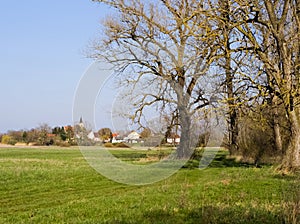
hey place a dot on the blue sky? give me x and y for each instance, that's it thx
(42, 59)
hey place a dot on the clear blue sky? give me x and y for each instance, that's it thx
(41, 59)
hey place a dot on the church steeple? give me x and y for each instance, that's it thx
(81, 124)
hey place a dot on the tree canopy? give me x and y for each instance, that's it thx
(189, 56)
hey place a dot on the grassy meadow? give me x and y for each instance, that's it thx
(56, 185)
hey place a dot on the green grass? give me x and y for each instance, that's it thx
(56, 185)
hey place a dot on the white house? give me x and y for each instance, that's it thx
(133, 137)
(91, 135)
(173, 139)
(116, 138)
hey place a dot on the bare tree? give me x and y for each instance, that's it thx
(44, 130)
(168, 46)
(228, 62)
(235, 66)
(272, 32)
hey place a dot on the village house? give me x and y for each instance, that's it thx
(173, 139)
(133, 137)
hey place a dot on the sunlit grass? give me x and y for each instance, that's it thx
(56, 185)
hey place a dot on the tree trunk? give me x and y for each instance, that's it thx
(277, 135)
(184, 149)
(291, 159)
(276, 127)
(229, 75)
(233, 132)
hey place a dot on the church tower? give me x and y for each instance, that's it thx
(81, 124)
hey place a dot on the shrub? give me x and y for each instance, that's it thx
(63, 144)
(116, 145)
(256, 139)
(108, 145)
(122, 145)
(6, 139)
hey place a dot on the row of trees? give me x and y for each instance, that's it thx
(191, 57)
(41, 135)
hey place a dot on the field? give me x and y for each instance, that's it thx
(56, 185)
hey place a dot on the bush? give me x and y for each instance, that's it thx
(63, 144)
(6, 139)
(122, 145)
(116, 145)
(256, 139)
(108, 145)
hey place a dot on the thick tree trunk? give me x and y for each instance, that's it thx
(184, 149)
(291, 159)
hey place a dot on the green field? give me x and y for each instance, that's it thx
(56, 185)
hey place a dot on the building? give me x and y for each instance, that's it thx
(173, 139)
(133, 137)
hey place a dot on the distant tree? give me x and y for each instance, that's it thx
(60, 131)
(43, 131)
(146, 133)
(63, 134)
(105, 134)
(24, 136)
(56, 130)
(69, 134)
(32, 135)
(16, 135)
(6, 139)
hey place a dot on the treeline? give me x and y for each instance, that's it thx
(41, 135)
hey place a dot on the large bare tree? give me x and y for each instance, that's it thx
(272, 32)
(168, 45)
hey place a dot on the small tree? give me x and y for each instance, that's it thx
(16, 135)
(60, 131)
(105, 134)
(24, 136)
(43, 131)
(69, 130)
(146, 133)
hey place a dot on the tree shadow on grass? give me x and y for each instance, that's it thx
(211, 215)
(221, 160)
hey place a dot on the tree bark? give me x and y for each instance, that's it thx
(184, 148)
(276, 126)
(277, 135)
(229, 76)
(291, 159)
